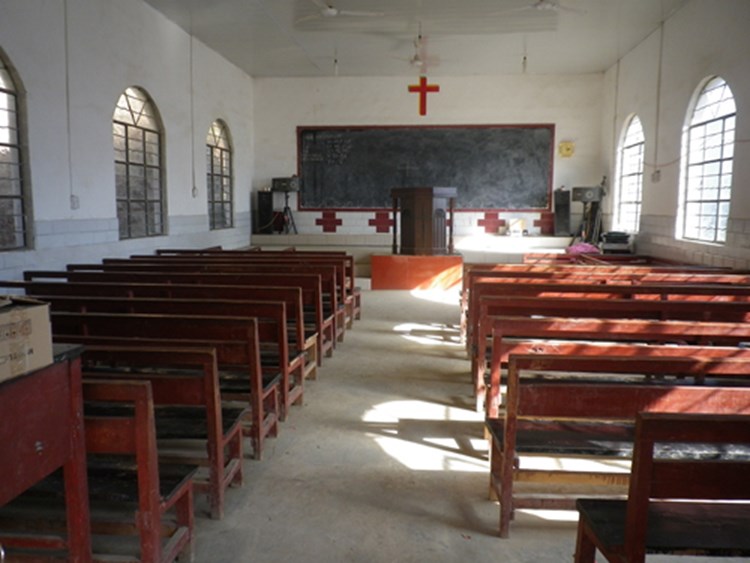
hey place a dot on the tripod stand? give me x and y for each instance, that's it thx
(288, 217)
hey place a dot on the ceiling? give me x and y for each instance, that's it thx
(281, 38)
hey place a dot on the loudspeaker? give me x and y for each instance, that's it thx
(562, 213)
(264, 225)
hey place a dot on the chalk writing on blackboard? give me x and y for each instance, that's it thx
(502, 166)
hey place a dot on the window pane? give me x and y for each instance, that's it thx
(218, 176)
(137, 144)
(137, 219)
(708, 178)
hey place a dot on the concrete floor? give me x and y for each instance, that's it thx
(385, 462)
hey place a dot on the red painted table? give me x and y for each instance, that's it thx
(41, 429)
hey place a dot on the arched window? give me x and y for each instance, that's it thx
(708, 152)
(219, 176)
(12, 200)
(630, 178)
(136, 131)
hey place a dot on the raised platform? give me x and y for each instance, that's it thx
(415, 272)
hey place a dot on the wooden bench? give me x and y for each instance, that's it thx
(234, 338)
(299, 341)
(188, 408)
(331, 277)
(561, 416)
(272, 329)
(310, 284)
(705, 520)
(349, 295)
(599, 274)
(130, 492)
(517, 306)
(582, 290)
(606, 287)
(353, 293)
(611, 330)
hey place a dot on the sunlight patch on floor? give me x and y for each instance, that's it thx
(445, 296)
(434, 334)
(426, 436)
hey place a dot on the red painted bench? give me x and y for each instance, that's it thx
(292, 297)
(551, 415)
(235, 339)
(608, 330)
(491, 306)
(310, 284)
(272, 329)
(188, 408)
(129, 491)
(675, 505)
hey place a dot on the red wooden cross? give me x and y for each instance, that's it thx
(328, 221)
(423, 88)
(382, 222)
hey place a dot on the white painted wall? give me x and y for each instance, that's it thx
(572, 103)
(704, 38)
(72, 76)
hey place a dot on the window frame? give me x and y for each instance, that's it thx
(18, 222)
(625, 152)
(138, 134)
(703, 218)
(220, 197)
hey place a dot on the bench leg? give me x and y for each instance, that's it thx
(585, 548)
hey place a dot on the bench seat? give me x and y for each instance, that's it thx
(723, 529)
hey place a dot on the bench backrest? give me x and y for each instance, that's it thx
(655, 477)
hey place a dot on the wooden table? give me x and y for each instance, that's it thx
(41, 429)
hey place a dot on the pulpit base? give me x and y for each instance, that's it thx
(400, 271)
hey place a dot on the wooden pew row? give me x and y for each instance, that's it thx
(188, 407)
(603, 330)
(520, 306)
(310, 284)
(674, 506)
(292, 297)
(578, 275)
(130, 492)
(588, 258)
(581, 289)
(235, 339)
(557, 416)
(272, 329)
(331, 275)
(353, 292)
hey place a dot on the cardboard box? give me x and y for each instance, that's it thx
(25, 335)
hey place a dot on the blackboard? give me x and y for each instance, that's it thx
(507, 167)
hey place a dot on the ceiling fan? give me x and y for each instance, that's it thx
(327, 10)
(543, 6)
(420, 60)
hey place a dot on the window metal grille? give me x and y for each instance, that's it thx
(219, 177)
(630, 180)
(709, 146)
(12, 200)
(138, 169)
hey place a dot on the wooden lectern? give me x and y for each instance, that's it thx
(424, 217)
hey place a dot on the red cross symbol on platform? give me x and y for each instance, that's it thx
(382, 222)
(491, 222)
(328, 221)
(423, 88)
